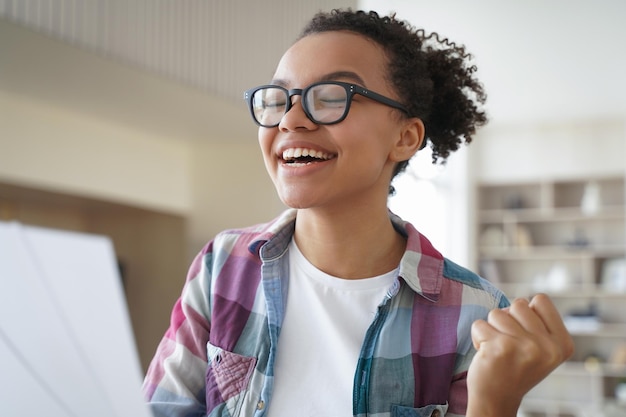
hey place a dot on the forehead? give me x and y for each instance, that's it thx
(314, 57)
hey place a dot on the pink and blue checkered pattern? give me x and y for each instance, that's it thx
(217, 357)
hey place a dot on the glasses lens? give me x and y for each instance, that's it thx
(269, 105)
(326, 103)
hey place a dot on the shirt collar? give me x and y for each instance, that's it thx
(273, 238)
(421, 266)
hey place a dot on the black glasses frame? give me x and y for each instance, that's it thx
(351, 90)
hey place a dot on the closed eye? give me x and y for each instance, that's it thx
(273, 104)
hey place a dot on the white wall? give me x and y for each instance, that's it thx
(540, 61)
(48, 147)
(231, 189)
(214, 184)
(579, 149)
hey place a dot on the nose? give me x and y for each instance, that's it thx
(295, 117)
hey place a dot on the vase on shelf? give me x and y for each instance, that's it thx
(590, 203)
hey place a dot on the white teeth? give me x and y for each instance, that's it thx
(292, 153)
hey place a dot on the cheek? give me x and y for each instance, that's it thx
(265, 138)
(369, 140)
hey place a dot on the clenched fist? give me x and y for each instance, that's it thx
(516, 348)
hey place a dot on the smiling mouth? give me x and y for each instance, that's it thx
(304, 156)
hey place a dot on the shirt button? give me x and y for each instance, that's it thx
(260, 405)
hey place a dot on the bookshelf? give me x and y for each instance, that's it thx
(566, 238)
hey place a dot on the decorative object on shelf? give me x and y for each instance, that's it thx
(579, 241)
(590, 203)
(515, 202)
(618, 357)
(523, 237)
(580, 321)
(493, 237)
(620, 392)
(593, 362)
(614, 275)
(557, 279)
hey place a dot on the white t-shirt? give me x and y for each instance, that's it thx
(325, 323)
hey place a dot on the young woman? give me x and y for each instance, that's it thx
(339, 307)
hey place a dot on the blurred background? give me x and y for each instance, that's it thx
(126, 118)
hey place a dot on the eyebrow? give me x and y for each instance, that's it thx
(333, 76)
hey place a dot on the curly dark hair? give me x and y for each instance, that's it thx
(432, 76)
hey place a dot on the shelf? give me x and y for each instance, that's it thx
(574, 291)
(612, 330)
(542, 405)
(590, 292)
(575, 369)
(552, 252)
(561, 214)
(574, 408)
(556, 395)
(565, 238)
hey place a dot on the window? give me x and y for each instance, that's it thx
(434, 198)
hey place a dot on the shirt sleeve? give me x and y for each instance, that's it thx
(489, 298)
(174, 384)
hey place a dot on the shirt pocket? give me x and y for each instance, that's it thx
(227, 378)
(427, 411)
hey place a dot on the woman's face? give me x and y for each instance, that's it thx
(353, 159)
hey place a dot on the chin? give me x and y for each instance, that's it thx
(297, 201)
(296, 196)
(295, 204)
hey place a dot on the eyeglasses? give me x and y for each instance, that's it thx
(324, 103)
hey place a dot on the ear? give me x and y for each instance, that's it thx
(410, 139)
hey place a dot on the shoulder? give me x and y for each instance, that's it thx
(437, 278)
(477, 287)
(248, 241)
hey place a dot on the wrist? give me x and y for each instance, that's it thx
(492, 407)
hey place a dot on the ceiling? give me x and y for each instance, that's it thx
(180, 67)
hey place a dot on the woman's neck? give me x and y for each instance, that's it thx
(349, 244)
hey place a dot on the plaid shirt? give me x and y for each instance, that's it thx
(217, 357)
